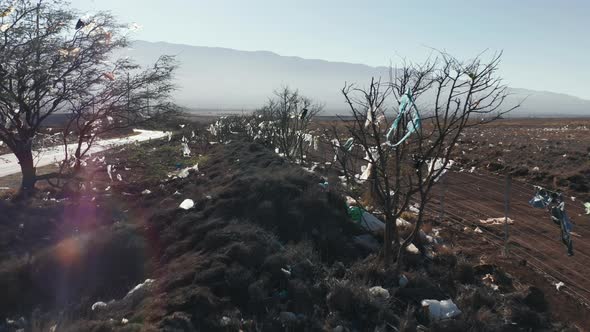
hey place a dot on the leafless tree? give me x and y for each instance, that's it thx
(433, 103)
(54, 62)
(289, 115)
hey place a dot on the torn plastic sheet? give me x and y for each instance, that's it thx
(371, 223)
(98, 305)
(147, 282)
(440, 310)
(7, 11)
(186, 152)
(558, 285)
(110, 171)
(405, 106)
(366, 171)
(370, 113)
(496, 221)
(436, 165)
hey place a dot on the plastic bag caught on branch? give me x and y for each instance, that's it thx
(406, 107)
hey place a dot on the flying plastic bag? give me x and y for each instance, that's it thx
(440, 310)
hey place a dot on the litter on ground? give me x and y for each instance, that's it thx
(147, 282)
(496, 221)
(187, 204)
(440, 310)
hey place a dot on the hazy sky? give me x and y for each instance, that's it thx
(546, 43)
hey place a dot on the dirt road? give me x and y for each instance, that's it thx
(533, 236)
(9, 164)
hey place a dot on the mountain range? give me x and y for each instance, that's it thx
(212, 79)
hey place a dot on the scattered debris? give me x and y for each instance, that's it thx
(147, 282)
(379, 293)
(439, 310)
(146, 192)
(110, 171)
(411, 248)
(99, 305)
(497, 221)
(187, 204)
(478, 230)
(558, 285)
(403, 281)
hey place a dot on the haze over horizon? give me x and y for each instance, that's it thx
(543, 41)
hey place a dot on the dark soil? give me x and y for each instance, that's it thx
(264, 249)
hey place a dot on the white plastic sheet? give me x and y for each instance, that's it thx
(440, 310)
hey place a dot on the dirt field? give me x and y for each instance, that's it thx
(533, 238)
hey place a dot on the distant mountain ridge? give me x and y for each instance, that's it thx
(222, 79)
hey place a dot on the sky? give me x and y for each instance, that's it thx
(545, 43)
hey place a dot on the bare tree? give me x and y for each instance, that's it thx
(289, 115)
(433, 103)
(54, 62)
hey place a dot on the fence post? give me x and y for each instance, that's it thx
(506, 211)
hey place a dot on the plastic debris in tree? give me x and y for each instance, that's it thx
(303, 114)
(349, 144)
(7, 11)
(69, 52)
(80, 24)
(370, 114)
(4, 27)
(406, 107)
(440, 310)
(110, 76)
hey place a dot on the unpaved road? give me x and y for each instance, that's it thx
(9, 164)
(533, 236)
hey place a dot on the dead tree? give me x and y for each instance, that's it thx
(432, 104)
(289, 114)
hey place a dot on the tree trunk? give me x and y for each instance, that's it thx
(27, 166)
(387, 247)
